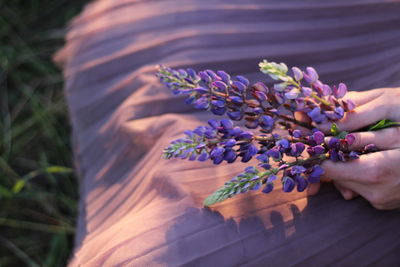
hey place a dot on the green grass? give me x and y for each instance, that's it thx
(38, 189)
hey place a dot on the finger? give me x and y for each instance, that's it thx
(384, 139)
(360, 117)
(361, 98)
(313, 189)
(346, 193)
(362, 170)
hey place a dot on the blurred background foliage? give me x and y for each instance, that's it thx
(38, 189)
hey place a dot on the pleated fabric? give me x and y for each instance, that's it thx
(139, 210)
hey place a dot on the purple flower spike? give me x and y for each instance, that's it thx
(298, 74)
(350, 138)
(318, 137)
(268, 188)
(288, 184)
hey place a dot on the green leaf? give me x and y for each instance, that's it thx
(218, 196)
(385, 123)
(342, 135)
(18, 185)
(58, 169)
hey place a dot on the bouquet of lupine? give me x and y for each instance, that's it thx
(295, 157)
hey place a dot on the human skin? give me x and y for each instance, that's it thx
(374, 176)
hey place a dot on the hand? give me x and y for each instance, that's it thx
(374, 176)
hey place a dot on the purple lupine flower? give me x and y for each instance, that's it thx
(297, 73)
(311, 76)
(297, 169)
(333, 142)
(350, 138)
(235, 115)
(284, 143)
(292, 94)
(224, 76)
(340, 91)
(297, 133)
(268, 188)
(288, 184)
(267, 122)
(274, 153)
(318, 137)
(243, 80)
(315, 174)
(354, 155)
(326, 90)
(204, 77)
(202, 103)
(217, 93)
(236, 99)
(296, 149)
(370, 148)
(301, 183)
(214, 123)
(203, 156)
(230, 155)
(239, 86)
(307, 91)
(316, 115)
(349, 105)
(227, 124)
(217, 152)
(318, 150)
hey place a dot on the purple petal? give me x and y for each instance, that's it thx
(298, 74)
